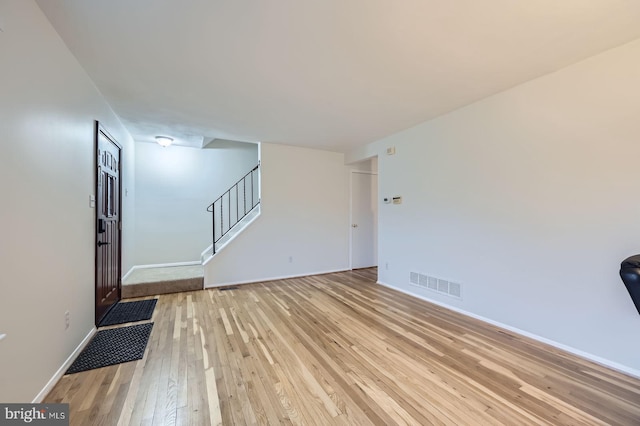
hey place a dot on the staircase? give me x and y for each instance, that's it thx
(231, 213)
(208, 253)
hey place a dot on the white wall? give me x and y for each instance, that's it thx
(530, 200)
(174, 186)
(305, 215)
(47, 111)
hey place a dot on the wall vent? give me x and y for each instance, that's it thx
(423, 281)
(455, 290)
(439, 285)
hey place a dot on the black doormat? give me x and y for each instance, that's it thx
(113, 346)
(125, 312)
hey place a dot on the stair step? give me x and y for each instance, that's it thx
(164, 280)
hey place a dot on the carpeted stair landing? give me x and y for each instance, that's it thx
(172, 279)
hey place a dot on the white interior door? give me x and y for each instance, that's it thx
(364, 220)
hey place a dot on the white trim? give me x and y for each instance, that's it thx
(284, 277)
(65, 366)
(165, 265)
(582, 354)
(206, 253)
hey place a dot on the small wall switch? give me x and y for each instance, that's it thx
(397, 200)
(391, 150)
(92, 201)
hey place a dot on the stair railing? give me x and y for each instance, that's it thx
(234, 204)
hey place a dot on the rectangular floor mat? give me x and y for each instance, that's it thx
(125, 312)
(113, 346)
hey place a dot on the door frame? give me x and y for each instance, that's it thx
(362, 172)
(99, 129)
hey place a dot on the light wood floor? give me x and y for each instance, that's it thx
(339, 349)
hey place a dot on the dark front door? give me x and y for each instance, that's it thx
(107, 223)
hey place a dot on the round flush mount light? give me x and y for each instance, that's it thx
(164, 141)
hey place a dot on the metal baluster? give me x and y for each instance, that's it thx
(231, 223)
(213, 228)
(252, 205)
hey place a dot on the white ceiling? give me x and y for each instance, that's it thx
(330, 74)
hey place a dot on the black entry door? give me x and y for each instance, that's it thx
(108, 233)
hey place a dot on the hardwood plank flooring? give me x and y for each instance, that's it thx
(340, 349)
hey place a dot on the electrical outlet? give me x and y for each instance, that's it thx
(67, 320)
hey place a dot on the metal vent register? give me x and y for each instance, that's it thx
(438, 285)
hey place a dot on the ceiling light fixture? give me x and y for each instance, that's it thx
(164, 141)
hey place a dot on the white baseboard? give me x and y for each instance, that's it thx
(206, 254)
(284, 277)
(582, 354)
(65, 366)
(166, 265)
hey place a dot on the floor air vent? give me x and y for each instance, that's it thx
(439, 285)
